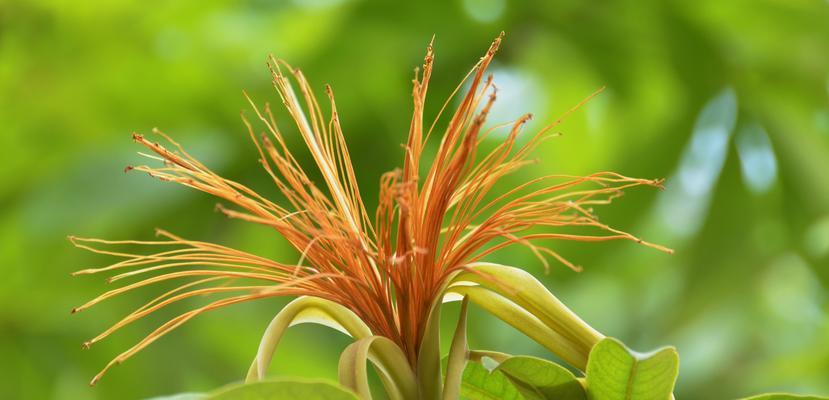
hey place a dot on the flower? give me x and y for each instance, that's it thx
(432, 220)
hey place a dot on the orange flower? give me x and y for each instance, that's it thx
(431, 221)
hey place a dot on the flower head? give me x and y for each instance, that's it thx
(388, 266)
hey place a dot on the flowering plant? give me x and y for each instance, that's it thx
(382, 277)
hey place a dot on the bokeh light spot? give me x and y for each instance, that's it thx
(684, 204)
(518, 94)
(757, 160)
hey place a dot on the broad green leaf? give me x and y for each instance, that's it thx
(304, 309)
(282, 390)
(456, 361)
(540, 379)
(616, 373)
(391, 364)
(481, 384)
(784, 396)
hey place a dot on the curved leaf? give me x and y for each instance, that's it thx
(458, 352)
(282, 390)
(391, 363)
(480, 384)
(524, 321)
(784, 396)
(429, 376)
(540, 379)
(478, 355)
(616, 373)
(304, 309)
(525, 290)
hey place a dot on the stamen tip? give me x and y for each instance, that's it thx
(128, 168)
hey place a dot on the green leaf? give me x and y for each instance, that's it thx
(481, 384)
(429, 376)
(305, 309)
(575, 336)
(282, 390)
(479, 355)
(390, 361)
(616, 373)
(540, 379)
(784, 396)
(430, 379)
(522, 320)
(181, 396)
(456, 361)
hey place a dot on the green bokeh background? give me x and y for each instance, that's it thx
(728, 100)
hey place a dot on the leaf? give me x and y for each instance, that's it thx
(522, 320)
(429, 376)
(540, 379)
(282, 390)
(573, 338)
(304, 309)
(181, 396)
(478, 355)
(525, 290)
(480, 384)
(430, 383)
(456, 361)
(616, 373)
(391, 364)
(784, 396)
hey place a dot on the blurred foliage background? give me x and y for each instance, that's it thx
(727, 100)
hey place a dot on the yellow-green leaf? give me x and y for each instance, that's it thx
(282, 390)
(784, 396)
(456, 361)
(540, 379)
(522, 320)
(304, 309)
(614, 372)
(481, 384)
(391, 364)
